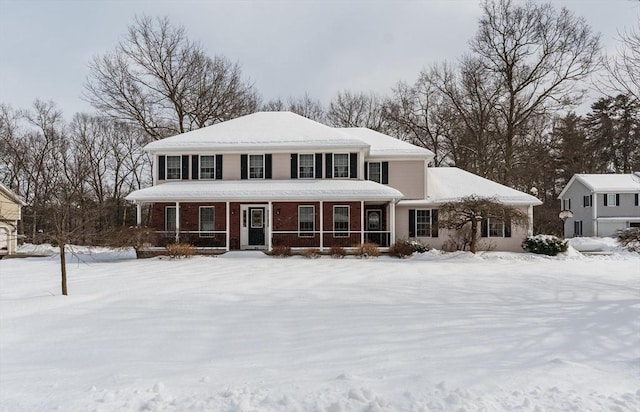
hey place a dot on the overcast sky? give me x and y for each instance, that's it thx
(286, 48)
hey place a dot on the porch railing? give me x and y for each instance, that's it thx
(208, 239)
(329, 238)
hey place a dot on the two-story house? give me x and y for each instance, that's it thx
(600, 204)
(277, 178)
(10, 213)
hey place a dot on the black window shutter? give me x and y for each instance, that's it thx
(591, 200)
(267, 166)
(412, 223)
(328, 165)
(161, 167)
(569, 204)
(637, 200)
(219, 167)
(617, 199)
(434, 223)
(353, 165)
(294, 165)
(318, 165)
(585, 199)
(366, 170)
(507, 227)
(194, 167)
(484, 228)
(244, 167)
(385, 173)
(605, 199)
(185, 167)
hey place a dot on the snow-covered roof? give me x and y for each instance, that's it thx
(12, 195)
(447, 184)
(276, 130)
(382, 145)
(265, 190)
(617, 183)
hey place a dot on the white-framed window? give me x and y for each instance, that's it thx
(306, 166)
(306, 221)
(341, 165)
(423, 222)
(256, 166)
(611, 200)
(566, 204)
(375, 171)
(207, 167)
(586, 201)
(341, 221)
(495, 228)
(170, 218)
(206, 221)
(174, 168)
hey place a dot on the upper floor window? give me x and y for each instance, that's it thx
(256, 166)
(174, 167)
(586, 201)
(207, 167)
(612, 199)
(566, 204)
(341, 165)
(306, 220)
(375, 171)
(306, 165)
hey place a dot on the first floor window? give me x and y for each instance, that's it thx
(206, 221)
(170, 219)
(207, 167)
(174, 167)
(375, 171)
(496, 227)
(256, 167)
(423, 222)
(306, 166)
(341, 165)
(341, 221)
(306, 220)
(577, 228)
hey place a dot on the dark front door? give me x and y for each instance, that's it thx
(374, 226)
(256, 226)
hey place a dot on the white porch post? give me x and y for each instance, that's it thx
(594, 206)
(227, 228)
(138, 214)
(269, 224)
(530, 216)
(177, 222)
(362, 221)
(321, 225)
(392, 222)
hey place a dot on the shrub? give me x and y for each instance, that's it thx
(629, 238)
(180, 250)
(401, 249)
(310, 253)
(545, 245)
(337, 252)
(417, 246)
(281, 251)
(367, 250)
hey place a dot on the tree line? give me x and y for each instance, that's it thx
(504, 110)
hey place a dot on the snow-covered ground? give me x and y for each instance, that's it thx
(246, 332)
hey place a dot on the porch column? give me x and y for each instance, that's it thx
(392, 222)
(269, 220)
(594, 206)
(530, 217)
(321, 225)
(177, 222)
(138, 214)
(227, 228)
(362, 221)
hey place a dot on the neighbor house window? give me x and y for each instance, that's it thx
(586, 201)
(423, 222)
(256, 166)
(341, 221)
(341, 165)
(496, 227)
(306, 221)
(174, 167)
(611, 200)
(375, 171)
(577, 228)
(306, 164)
(566, 204)
(170, 218)
(207, 167)
(206, 221)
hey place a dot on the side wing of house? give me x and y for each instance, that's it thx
(579, 200)
(10, 214)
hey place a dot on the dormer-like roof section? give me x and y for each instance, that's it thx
(387, 147)
(273, 131)
(611, 182)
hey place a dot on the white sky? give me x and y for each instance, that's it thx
(286, 48)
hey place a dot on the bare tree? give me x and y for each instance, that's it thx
(357, 110)
(538, 54)
(304, 106)
(161, 81)
(624, 69)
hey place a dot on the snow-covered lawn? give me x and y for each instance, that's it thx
(245, 332)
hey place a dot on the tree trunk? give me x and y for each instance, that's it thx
(63, 269)
(473, 246)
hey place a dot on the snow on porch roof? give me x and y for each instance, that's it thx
(261, 190)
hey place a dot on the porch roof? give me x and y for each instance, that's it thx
(261, 190)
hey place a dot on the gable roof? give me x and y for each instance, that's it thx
(277, 130)
(611, 182)
(382, 145)
(448, 184)
(11, 195)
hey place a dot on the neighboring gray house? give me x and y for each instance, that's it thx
(601, 204)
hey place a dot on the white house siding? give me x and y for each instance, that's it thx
(281, 166)
(231, 167)
(580, 213)
(408, 177)
(10, 213)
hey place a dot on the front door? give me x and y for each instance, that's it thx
(256, 226)
(374, 226)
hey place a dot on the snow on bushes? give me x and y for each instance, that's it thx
(545, 245)
(629, 238)
(405, 248)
